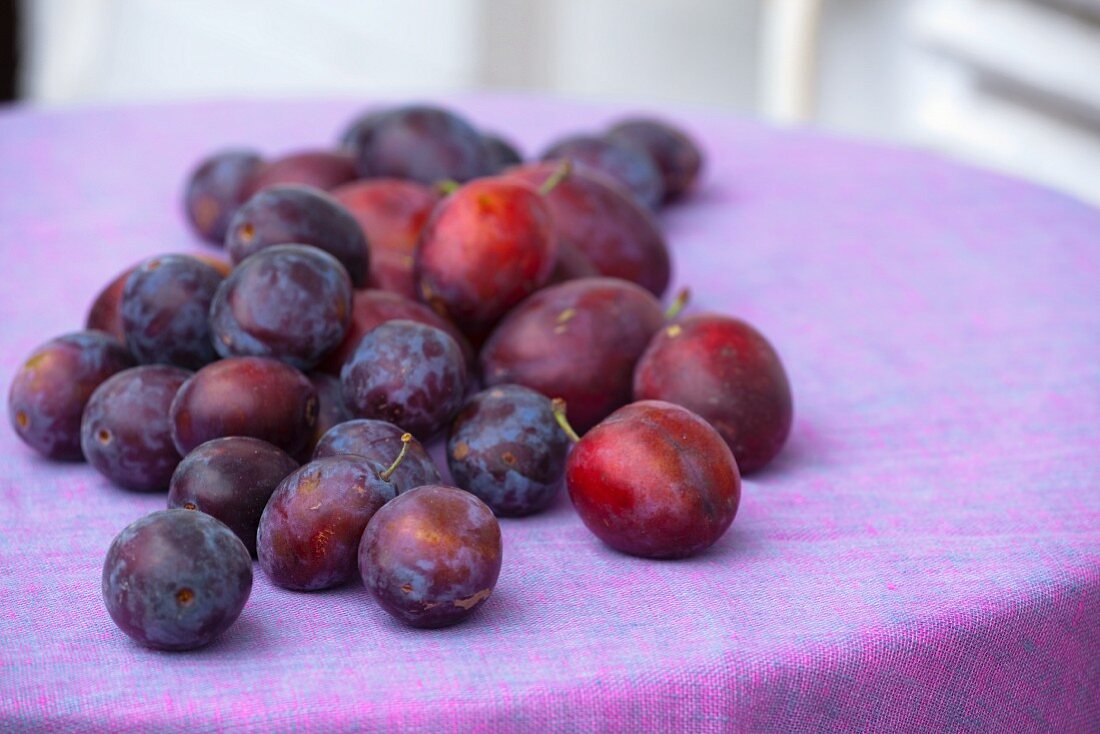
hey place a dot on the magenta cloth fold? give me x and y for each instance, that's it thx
(923, 557)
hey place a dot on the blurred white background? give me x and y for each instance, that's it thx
(1012, 84)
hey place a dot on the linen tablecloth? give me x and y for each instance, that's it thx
(923, 557)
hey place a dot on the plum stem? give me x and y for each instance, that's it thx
(447, 186)
(560, 174)
(677, 305)
(405, 438)
(558, 406)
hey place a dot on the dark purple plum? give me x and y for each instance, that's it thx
(725, 371)
(506, 447)
(502, 152)
(232, 479)
(361, 125)
(165, 311)
(50, 390)
(406, 373)
(321, 169)
(421, 143)
(105, 313)
(125, 432)
(176, 579)
(485, 248)
(245, 396)
(373, 307)
(391, 212)
(677, 156)
(299, 215)
(290, 302)
(331, 410)
(309, 532)
(617, 236)
(380, 441)
(431, 556)
(630, 166)
(654, 480)
(578, 341)
(216, 188)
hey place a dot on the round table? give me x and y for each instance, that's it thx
(923, 556)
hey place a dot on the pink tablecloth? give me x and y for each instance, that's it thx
(924, 557)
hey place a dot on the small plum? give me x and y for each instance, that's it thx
(725, 371)
(310, 530)
(406, 373)
(654, 480)
(165, 311)
(380, 441)
(290, 302)
(432, 556)
(299, 215)
(216, 189)
(245, 396)
(321, 169)
(49, 391)
(616, 235)
(125, 432)
(485, 248)
(631, 167)
(420, 143)
(176, 579)
(578, 341)
(677, 156)
(232, 479)
(506, 447)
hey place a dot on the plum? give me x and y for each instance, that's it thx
(616, 235)
(299, 215)
(51, 388)
(321, 169)
(232, 479)
(176, 579)
(380, 441)
(578, 341)
(391, 213)
(165, 311)
(331, 409)
(309, 532)
(245, 396)
(370, 308)
(125, 432)
(630, 166)
(486, 247)
(432, 556)
(725, 371)
(421, 143)
(406, 373)
(654, 480)
(290, 302)
(505, 447)
(216, 189)
(677, 156)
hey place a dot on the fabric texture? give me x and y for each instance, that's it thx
(924, 556)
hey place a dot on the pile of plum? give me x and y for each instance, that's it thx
(284, 401)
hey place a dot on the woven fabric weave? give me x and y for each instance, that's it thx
(923, 557)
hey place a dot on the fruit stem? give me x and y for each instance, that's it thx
(560, 173)
(677, 305)
(405, 438)
(447, 186)
(558, 406)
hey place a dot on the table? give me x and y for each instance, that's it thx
(923, 557)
